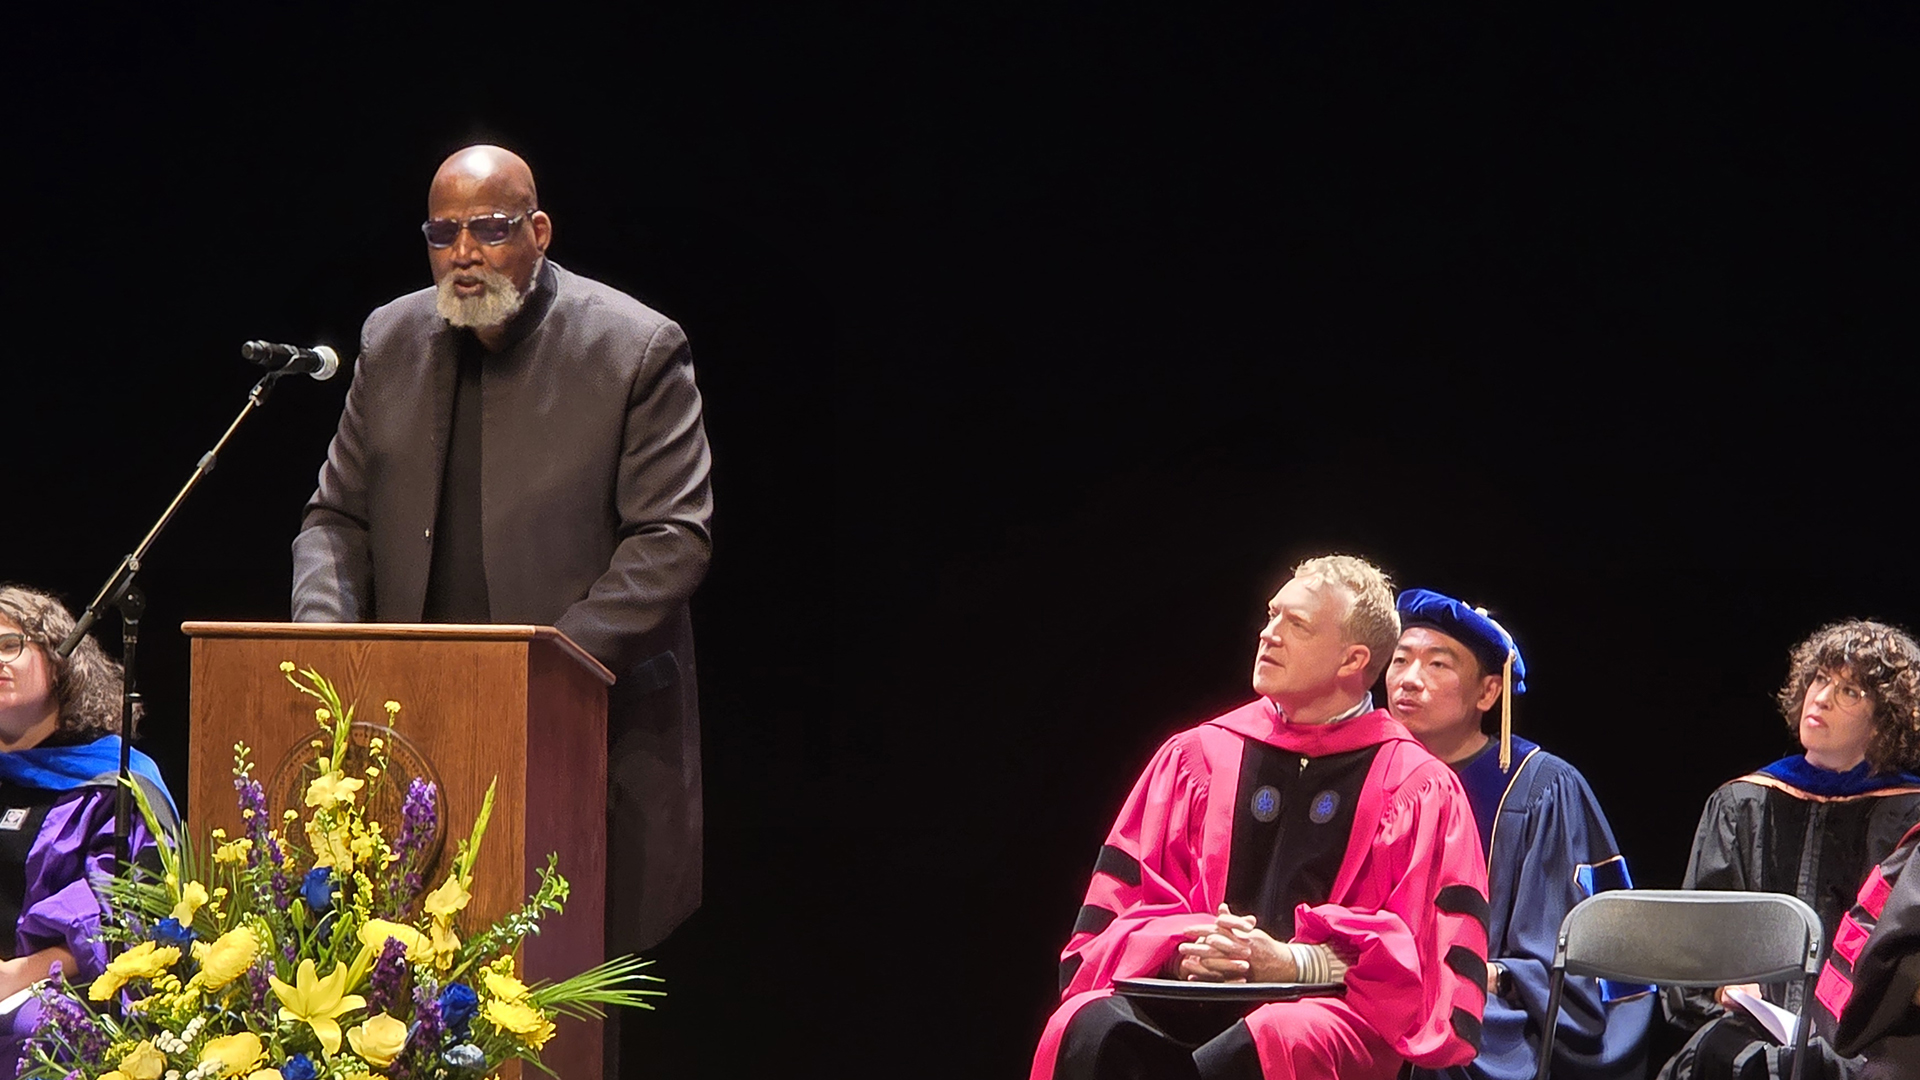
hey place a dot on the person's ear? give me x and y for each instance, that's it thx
(1358, 656)
(1489, 692)
(542, 230)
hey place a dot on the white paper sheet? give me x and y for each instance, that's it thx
(1778, 1021)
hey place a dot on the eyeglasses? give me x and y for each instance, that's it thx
(1844, 693)
(489, 229)
(11, 646)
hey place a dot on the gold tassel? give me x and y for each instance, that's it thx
(1506, 713)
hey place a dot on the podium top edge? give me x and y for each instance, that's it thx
(317, 631)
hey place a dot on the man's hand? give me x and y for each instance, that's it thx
(1720, 995)
(1232, 949)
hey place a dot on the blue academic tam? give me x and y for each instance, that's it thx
(1490, 642)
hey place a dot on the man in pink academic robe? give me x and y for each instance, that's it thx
(1304, 837)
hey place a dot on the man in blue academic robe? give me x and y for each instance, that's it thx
(1547, 843)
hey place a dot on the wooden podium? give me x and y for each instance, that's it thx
(522, 704)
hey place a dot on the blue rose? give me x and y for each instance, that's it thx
(464, 1056)
(317, 889)
(458, 1003)
(170, 932)
(298, 1067)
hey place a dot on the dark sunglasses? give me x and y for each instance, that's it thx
(490, 229)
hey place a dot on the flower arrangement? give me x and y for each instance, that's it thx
(311, 949)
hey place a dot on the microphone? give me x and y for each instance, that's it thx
(321, 362)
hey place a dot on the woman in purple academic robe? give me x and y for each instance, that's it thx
(58, 774)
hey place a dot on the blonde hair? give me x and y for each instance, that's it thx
(1371, 619)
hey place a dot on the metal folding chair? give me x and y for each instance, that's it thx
(1688, 937)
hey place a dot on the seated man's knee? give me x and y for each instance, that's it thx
(1319, 1039)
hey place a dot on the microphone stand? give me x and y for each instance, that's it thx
(119, 592)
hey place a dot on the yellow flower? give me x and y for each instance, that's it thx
(114, 1075)
(525, 1022)
(391, 707)
(445, 944)
(375, 932)
(192, 897)
(286, 666)
(379, 1040)
(317, 1002)
(227, 958)
(447, 899)
(235, 1053)
(143, 961)
(505, 987)
(143, 1062)
(330, 846)
(321, 714)
(331, 788)
(265, 1074)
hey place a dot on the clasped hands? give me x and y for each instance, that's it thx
(1232, 949)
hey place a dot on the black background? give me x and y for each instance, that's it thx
(1036, 342)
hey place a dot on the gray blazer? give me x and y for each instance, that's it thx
(595, 511)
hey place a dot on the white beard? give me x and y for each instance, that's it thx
(498, 301)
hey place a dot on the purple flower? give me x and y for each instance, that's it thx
(253, 798)
(418, 818)
(170, 932)
(458, 1003)
(317, 889)
(388, 973)
(298, 1067)
(66, 1021)
(257, 981)
(428, 1026)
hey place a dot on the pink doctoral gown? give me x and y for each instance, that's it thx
(1409, 902)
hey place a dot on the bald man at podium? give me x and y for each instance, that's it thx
(521, 444)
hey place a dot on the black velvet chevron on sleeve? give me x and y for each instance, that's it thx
(1469, 965)
(1093, 919)
(1467, 1026)
(1118, 864)
(1068, 968)
(1463, 900)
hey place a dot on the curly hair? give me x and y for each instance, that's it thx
(1885, 661)
(1371, 619)
(86, 684)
